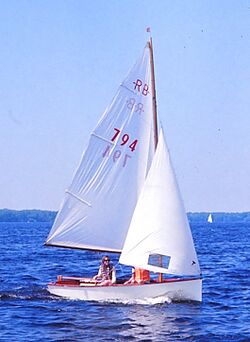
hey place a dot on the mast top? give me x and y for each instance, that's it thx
(150, 45)
(148, 30)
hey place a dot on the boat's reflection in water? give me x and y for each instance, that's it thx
(159, 322)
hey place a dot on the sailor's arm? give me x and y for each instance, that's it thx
(99, 273)
(113, 276)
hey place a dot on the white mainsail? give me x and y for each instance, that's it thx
(98, 206)
(210, 218)
(159, 229)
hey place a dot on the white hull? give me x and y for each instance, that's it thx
(179, 290)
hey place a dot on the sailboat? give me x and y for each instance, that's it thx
(124, 198)
(210, 218)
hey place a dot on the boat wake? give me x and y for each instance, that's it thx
(145, 301)
(26, 294)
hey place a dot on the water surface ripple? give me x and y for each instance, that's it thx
(29, 313)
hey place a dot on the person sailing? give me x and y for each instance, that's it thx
(106, 274)
(139, 276)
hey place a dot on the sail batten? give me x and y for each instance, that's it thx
(102, 138)
(77, 197)
(130, 90)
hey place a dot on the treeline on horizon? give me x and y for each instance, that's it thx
(35, 215)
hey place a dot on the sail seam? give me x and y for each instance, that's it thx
(78, 198)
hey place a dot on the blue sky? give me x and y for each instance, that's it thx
(62, 61)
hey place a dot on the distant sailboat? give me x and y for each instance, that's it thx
(210, 218)
(124, 198)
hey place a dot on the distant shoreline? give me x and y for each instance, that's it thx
(29, 215)
(36, 215)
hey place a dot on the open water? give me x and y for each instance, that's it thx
(29, 313)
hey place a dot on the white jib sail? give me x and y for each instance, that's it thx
(159, 229)
(98, 205)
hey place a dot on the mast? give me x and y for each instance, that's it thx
(150, 45)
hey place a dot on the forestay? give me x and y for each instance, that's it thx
(98, 205)
(159, 238)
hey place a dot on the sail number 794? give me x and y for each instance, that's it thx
(117, 154)
(125, 138)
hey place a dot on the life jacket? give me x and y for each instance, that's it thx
(141, 275)
(106, 272)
